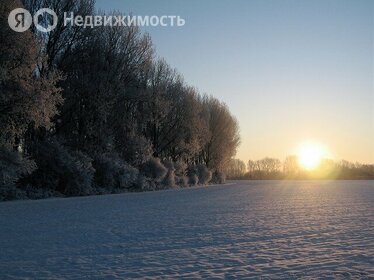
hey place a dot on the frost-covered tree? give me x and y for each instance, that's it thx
(58, 43)
(28, 97)
(223, 137)
(291, 166)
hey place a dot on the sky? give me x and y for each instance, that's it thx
(290, 71)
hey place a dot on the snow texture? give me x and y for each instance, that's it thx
(244, 229)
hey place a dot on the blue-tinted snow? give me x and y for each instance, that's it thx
(246, 229)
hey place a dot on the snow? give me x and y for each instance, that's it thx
(272, 229)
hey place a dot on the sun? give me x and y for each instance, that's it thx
(310, 155)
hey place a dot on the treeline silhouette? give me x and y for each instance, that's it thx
(94, 110)
(272, 168)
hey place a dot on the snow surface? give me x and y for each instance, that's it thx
(246, 229)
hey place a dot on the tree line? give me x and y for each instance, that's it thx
(95, 110)
(290, 168)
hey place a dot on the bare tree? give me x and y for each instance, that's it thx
(235, 169)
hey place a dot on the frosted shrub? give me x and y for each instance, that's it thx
(113, 173)
(182, 181)
(169, 180)
(128, 177)
(145, 184)
(218, 177)
(169, 165)
(193, 180)
(204, 174)
(12, 167)
(82, 175)
(39, 193)
(180, 169)
(62, 170)
(154, 169)
(11, 193)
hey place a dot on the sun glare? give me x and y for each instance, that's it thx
(310, 155)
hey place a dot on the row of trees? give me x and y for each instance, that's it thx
(272, 168)
(90, 110)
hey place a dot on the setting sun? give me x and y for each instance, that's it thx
(310, 155)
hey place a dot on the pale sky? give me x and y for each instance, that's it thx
(290, 71)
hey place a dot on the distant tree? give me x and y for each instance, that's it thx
(266, 168)
(270, 165)
(348, 170)
(235, 169)
(291, 166)
(251, 166)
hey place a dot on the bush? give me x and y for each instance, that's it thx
(62, 170)
(145, 184)
(199, 174)
(182, 181)
(154, 169)
(113, 173)
(204, 174)
(176, 175)
(218, 177)
(169, 165)
(39, 193)
(12, 167)
(193, 180)
(169, 180)
(11, 193)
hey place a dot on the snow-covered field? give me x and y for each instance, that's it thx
(270, 229)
